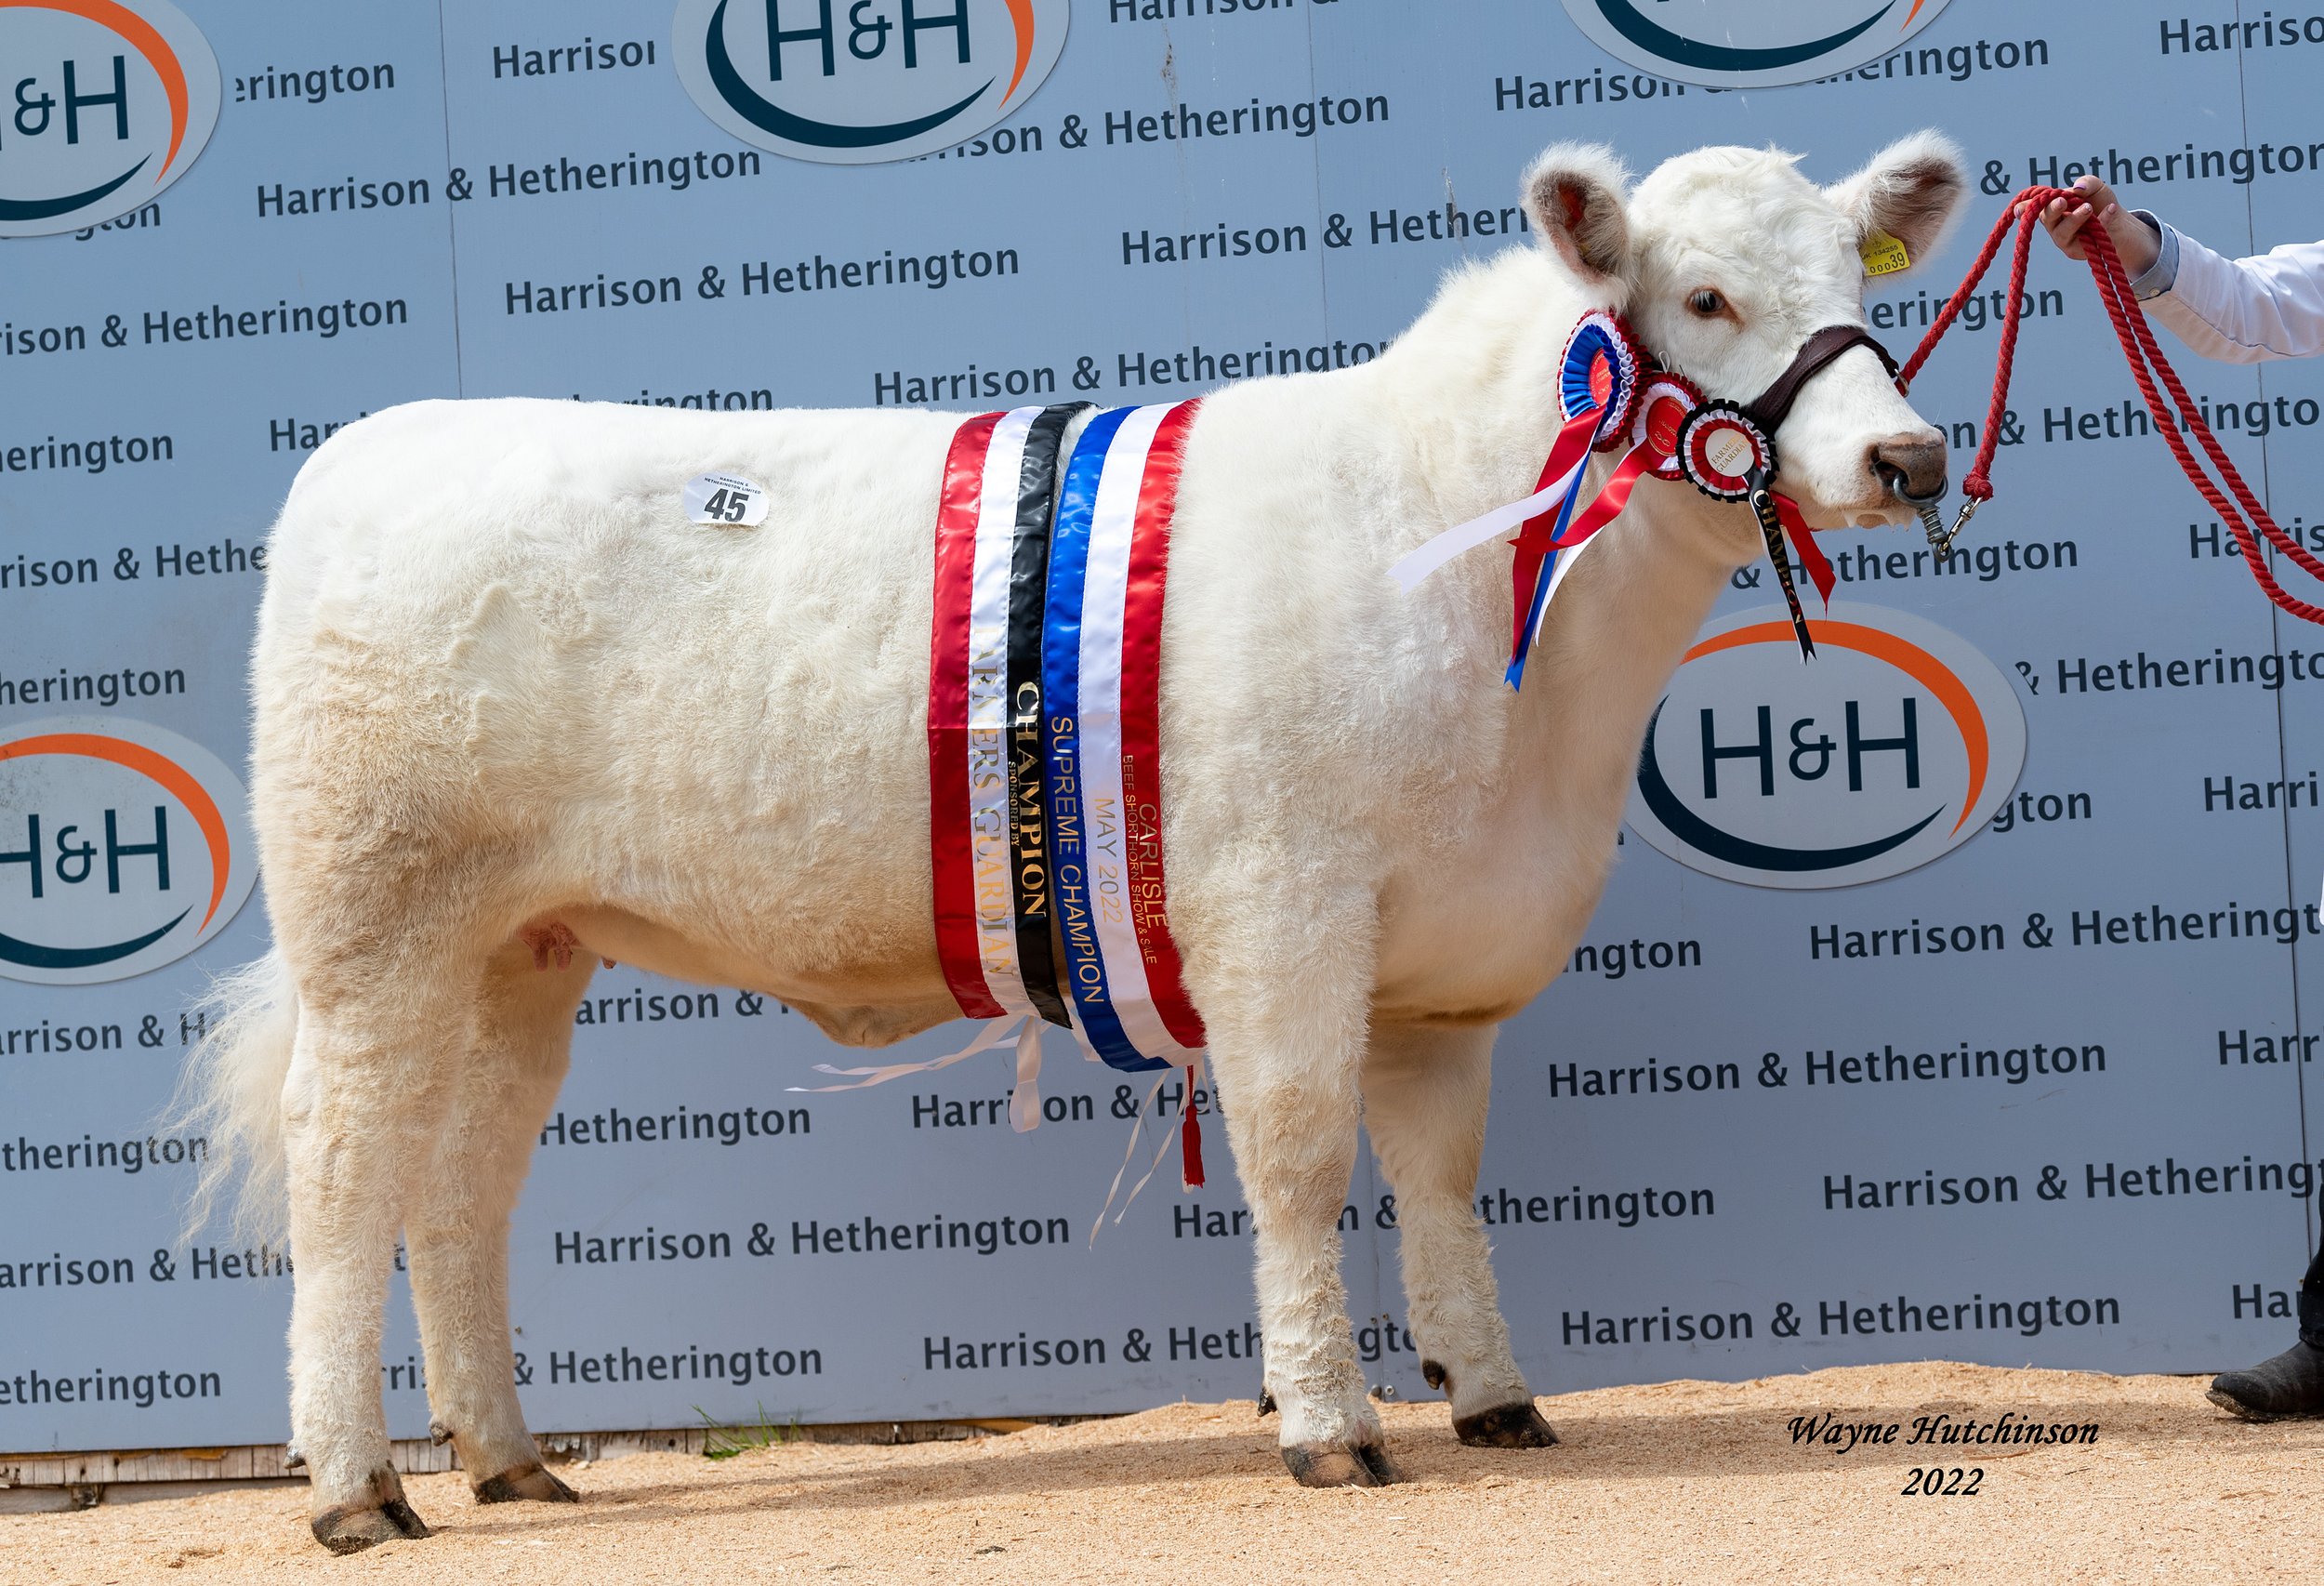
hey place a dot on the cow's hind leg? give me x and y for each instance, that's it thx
(361, 1105)
(499, 1091)
(1287, 1042)
(1425, 1092)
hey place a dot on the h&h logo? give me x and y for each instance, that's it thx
(123, 848)
(104, 103)
(1749, 44)
(1894, 747)
(854, 82)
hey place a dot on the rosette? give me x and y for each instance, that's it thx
(1599, 373)
(1723, 453)
(1665, 402)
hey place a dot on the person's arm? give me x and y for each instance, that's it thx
(2235, 310)
(2245, 311)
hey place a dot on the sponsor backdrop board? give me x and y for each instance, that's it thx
(2028, 1085)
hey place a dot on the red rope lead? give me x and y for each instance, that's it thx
(2147, 362)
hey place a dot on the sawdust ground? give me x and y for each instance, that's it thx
(1694, 1482)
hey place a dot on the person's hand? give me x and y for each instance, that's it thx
(2133, 242)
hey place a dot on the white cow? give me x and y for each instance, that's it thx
(502, 685)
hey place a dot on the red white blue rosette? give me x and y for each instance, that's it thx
(1600, 371)
(1665, 402)
(1721, 452)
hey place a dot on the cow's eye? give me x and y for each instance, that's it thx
(1707, 303)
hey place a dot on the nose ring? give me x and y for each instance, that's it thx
(1931, 521)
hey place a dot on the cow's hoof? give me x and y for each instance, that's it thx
(1506, 1426)
(352, 1527)
(520, 1481)
(1334, 1464)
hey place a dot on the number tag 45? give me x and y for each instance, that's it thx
(723, 499)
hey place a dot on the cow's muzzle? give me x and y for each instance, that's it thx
(1913, 466)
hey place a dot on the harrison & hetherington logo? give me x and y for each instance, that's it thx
(1746, 43)
(102, 104)
(122, 847)
(852, 82)
(1894, 747)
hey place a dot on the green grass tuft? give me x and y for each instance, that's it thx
(724, 1441)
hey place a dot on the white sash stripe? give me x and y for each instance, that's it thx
(1112, 523)
(988, 709)
(1433, 553)
(1566, 559)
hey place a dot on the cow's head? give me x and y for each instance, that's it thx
(1725, 261)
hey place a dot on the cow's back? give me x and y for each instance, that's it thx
(493, 621)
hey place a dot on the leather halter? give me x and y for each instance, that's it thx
(1769, 409)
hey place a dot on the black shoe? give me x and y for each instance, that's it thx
(2289, 1387)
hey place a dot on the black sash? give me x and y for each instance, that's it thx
(1030, 871)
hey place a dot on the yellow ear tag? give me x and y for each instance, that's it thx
(1882, 254)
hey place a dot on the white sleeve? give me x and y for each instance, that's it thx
(2245, 311)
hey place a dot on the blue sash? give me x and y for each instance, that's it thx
(1061, 695)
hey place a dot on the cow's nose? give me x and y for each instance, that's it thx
(1911, 466)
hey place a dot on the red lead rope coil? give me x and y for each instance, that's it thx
(2146, 364)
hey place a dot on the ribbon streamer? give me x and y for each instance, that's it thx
(1567, 543)
(1803, 541)
(1440, 548)
(1536, 541)
(1024, 1097)
(1532, 589)
(1175, 1131)
(1725, 450)
(1770, 530)
(1190, 1138)
(1137, 1123)
(994, 1033)
(1598, 387)
(1635, 465)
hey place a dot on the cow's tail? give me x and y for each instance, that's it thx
(231, 1095)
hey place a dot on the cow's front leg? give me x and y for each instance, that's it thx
(1287, 1031)
(1425, 1093)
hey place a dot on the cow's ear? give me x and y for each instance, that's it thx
(1913, 190)
(1577, 196)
